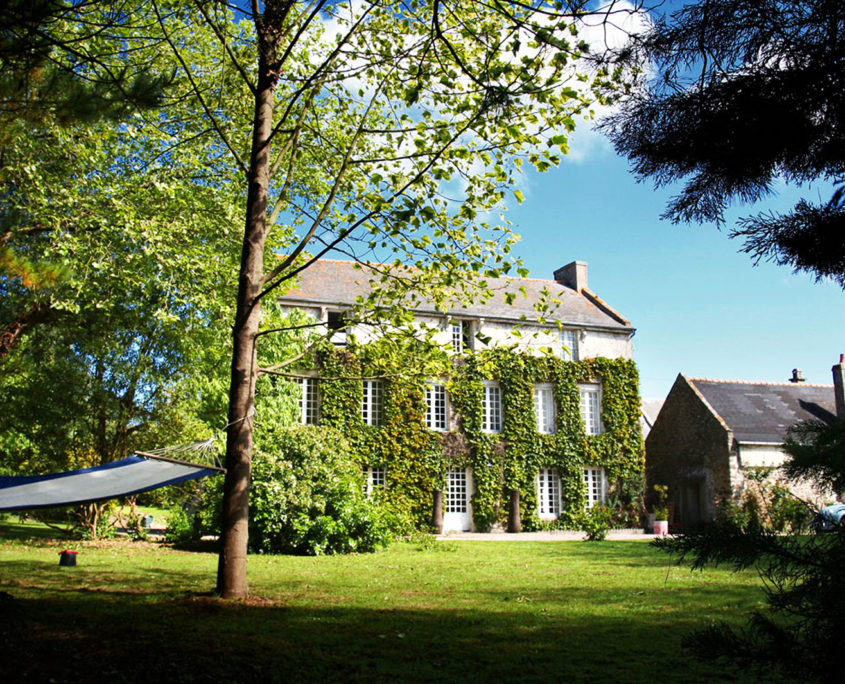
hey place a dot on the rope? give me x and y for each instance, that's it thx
(205, 448)
(239, 420)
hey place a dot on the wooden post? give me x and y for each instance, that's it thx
(514, 520)
(437, 513)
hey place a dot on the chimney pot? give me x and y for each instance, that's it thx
(797, 375)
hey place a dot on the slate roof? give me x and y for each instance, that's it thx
(330, 282)
(649, 409)
(762, 412)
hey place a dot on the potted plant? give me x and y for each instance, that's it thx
(661, 510)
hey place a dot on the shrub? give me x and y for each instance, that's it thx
(308, 498)
(596, 522)
(183, 526)
(787, 513)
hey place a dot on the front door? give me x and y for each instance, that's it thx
(456, 515)
(691, 505)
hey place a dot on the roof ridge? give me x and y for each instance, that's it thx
(504, 275)
(756, 382)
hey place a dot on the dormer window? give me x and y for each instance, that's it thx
(336, 324)
(461, 336)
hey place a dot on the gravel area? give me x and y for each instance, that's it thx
(550, 535)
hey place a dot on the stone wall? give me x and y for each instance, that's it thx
(688, 449)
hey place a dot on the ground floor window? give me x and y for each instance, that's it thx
(594, 480)
(548, 493)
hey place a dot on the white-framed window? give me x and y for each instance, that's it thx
(372, 405)
(596, 485)
(544, 408)
(569, 345)
(309, 401)
(461, 335)
(548, 493)
(375, 478)
(492, 407)
(591, 408)
(436, 407)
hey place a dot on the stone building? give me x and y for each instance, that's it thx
(576, 337)
(709, 433)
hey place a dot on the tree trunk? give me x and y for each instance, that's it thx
(514, 518)
(437, 513)
(24, 322)
(231, 569)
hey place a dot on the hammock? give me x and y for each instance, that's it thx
(131, 475)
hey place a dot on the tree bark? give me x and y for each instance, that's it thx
(437, 512)
(12, 332)
(514, 518)
(231, 569)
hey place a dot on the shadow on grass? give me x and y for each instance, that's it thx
(481, 614)
(199, 639)
(16, 531)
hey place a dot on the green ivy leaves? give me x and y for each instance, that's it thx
(416, 458)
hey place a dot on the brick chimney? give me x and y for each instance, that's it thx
(839, 386)
(573, 275)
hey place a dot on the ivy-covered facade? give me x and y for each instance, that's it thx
(477, 434)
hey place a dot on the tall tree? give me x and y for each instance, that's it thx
(743, 93)
(63, 64)
(137, 218)
(387, 132)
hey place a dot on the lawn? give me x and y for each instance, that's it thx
(452, 611)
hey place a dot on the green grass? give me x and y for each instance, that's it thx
(460, 611)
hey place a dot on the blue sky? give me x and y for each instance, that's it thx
(699, 307)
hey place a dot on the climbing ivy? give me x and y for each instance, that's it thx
(416, 458)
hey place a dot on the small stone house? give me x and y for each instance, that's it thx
(525, 413)
(709, 433)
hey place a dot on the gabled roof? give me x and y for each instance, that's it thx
(649, 409)
(337, 283)
(759, 412)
